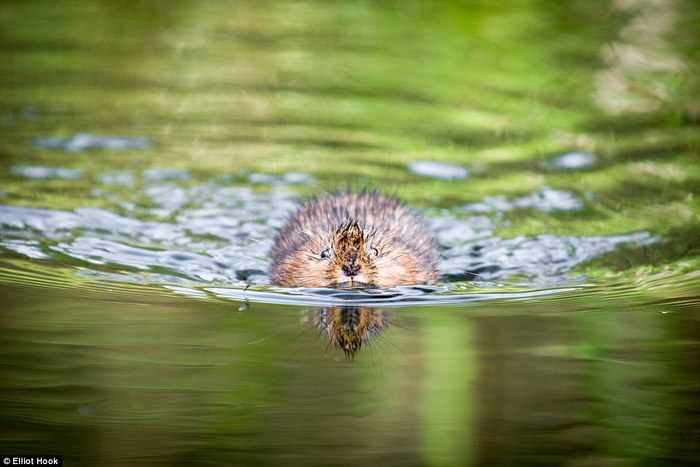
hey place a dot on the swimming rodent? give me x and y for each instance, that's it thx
(353, 239)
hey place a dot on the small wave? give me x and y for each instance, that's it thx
(85, 141)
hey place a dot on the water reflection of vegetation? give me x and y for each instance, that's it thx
(458, 384)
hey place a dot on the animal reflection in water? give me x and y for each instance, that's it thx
(348, 328)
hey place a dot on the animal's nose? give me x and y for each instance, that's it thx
(351, 269)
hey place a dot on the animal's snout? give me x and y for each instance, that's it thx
(351, 269)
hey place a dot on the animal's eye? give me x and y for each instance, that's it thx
(326, 253)
(373, 251)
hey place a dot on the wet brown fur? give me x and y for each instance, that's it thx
(353, 239)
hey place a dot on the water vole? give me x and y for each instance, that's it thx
(353, 239)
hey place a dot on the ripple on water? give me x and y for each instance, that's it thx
(34, 172)
(544, 200)
(118, 177)
(544, 260)
(290, 178)
(574, 161)
(85, 141)
(221, 235)
(439, 170)
(397, 297)
(165, 174)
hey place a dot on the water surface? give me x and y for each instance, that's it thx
(150, 152)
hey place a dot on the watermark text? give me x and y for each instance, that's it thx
(32, 460)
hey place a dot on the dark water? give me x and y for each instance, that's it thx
(149, 152)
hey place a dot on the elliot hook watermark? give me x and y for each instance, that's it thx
(32, 460)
